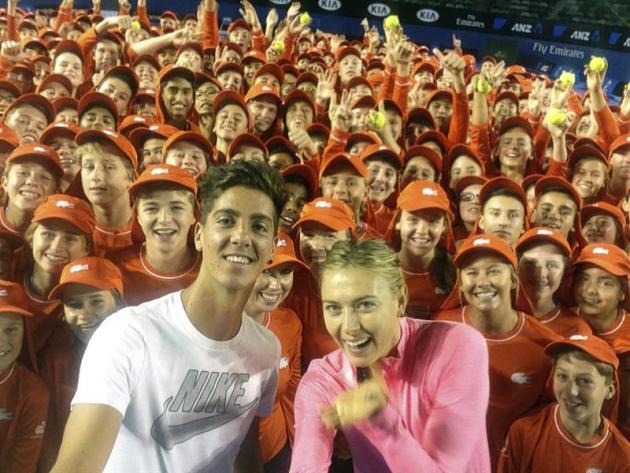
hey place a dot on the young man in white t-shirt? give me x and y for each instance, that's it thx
(176, 384)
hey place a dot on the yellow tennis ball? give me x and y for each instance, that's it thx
(391, 22)
(377, 119)
(628, 86)
(135, 25)
(305, 19)
(557, 117)
(278, 46)
(597, 64)
(566, 79)
(483, 87)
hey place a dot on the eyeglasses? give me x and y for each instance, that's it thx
(468, 197)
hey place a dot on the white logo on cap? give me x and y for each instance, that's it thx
(322, 204)
(282, 242)
(139, 119)
(39, 149)
(110, 133)
(79, 267)
(544, 231)
(158, 171)
(64, 204)
(3, 293)
(481, 241)
(578, 337)
(598, 250)
(429, 191)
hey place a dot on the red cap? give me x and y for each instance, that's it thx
(425, 152)
(469, 180)
(52, 78)
(420, 114)
(284, 252)
(38, 153)
(599, 208)
(421, 195)
(507, 95)
(226, 97)
(331, 213)
(620, 142)
(610, 258)
(376, 151)
(485, 243)
(594, 346)
(229, 66)
(254, 55)
(176, 71)
(94, 99)
(306, 173)
(164, 173)
(10, 87)
(356, 81)
(148, 58)
(433, 135)
(366, 136)
(582, 152)
(517, 122)
(297, 95)
(366, 101)
(131, 122)
(346, 51)
(260, 90)
(65, 130)
(280, 142)
(116, 139)
(92, 271)
(439, 94)
(239, 23)
(247, 139)
(459, 150)
(62, 103)
(13, 299)
(502, 182)
(68, 46)
(344, 158)
(273, 69)
(158, 130)
(191, 137)
(76, 212)
(38, 101)
(544, 235)
(547, 182)
(530, 181)
(8, 136)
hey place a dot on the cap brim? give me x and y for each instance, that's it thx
(327, 221)
(603, 264)
(79, 224)
(283, 259)
(13, 309)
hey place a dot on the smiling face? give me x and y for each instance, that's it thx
(487, 282)
(580, 389)
(55, 243)
(464, 166)
(601, 228)
(236, 239)
(85, 308)
(117, 90)
(27, 122)
(316, 240)
(514, 148)
(165, 217)
(71, 66)
(231, 121)
(540, 270)
(503, 216)
(271, 288)
(188, 156)
(147, 75)
(26, 184)
(441, 111)
(299, 115)
(597, 292)
(469, 208)
(177, 95)
(361, 313)
(589, 177)
(11, 337)
(421, 231)
(66, 149)
(382, 179)
(555, 210)
(263, 113)
(418, 168)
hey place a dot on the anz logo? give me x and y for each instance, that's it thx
(379, 9)
(581, 35)
(330, 5)
(522, 28)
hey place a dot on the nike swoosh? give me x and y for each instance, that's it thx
(167, 435)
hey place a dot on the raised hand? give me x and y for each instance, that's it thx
(326, 87)
(498, 74)
(365, 25)
(625, 103)
(559, 95)
(124, 6)
(272, 18)
(340, 112)
(455, 64)
(457, 43)
(302, 141)
(595, 79)
(248, 12)
(294, 10)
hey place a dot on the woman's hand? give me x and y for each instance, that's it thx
(357, 404)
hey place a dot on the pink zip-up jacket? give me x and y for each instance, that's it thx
(435, 419)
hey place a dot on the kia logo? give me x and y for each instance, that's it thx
(379, 9)
(427, 15)
(330, 5)
(280, 2)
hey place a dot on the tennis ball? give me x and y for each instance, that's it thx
(597, 64)
(135, 25)
(566, 79)
(305, 19)
(557, 117)
(278, 46)
(377, 119)
(391, 22)
(628, 86)
(483, 87)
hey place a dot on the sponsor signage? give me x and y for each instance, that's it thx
(428, 15)
(379, 9)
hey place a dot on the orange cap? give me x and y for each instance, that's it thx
(594, 346)
(92, 271)
(332, 213)
(284, 252)
(116, 139)
(516, 122)
(545, 235)
(344, 158)
(226, 97)
(66, 130)
(427, 153)
(247, 139)
(8, 136)
(131, 122)
(470, 180)
(164, 173)
(610, 258)
(38, 153)
(306, 173)
(96, 99)
(13, 299)
(191, 137)
(38, 101)
(502, 182)
(376, 151)
(548, 182)
(76, 212)
(261, 90)
(599, 208)
(582, 152)
(620, 142)
(421, 195)
(485, 243)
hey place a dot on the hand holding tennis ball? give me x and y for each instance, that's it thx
(391, 22)
(566, 80)
(376, 119)
(597, 64)
(305, 19)
(483, 86)
(135, 25)
(557, 117)
(278, 45)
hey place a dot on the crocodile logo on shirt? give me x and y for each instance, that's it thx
(520, 378)
(214, 396)
(5, 415)
(593, 470)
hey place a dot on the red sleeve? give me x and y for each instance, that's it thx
(541, 142)
(512, 451)
(389, 80)
(402, 86)
(87, 41)
(336, 143)
(288, 400)
(289, 44)
(458, 129)
(5, 66)
(259, 41)
(624, 124)
(64, 15)
(142, 14)
(210, 29)
(11, 26)
(608, 128)
(314, 163)
(480, 143)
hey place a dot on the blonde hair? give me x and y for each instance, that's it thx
(604, 369)
(30, 231)
(99, 149)
(373, 255)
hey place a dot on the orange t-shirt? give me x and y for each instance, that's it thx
(618, 336)
(540, 443)
(105, 239)
(142, 282)
(304, 300)
(23, 409)
(47, 316)
(519, 370)
(381, 217)
(564, 322)
(425, 297)
(278, 428)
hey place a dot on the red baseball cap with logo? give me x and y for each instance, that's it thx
(164, 173)
(76, 212)
(484, 243)
(65, 130)
(116, 139)
(157, 130)
(284, 252)
(344, 160)
(96, 99)
(264, 91)
(37, 153)
(604, 208)
(502, 182)
(424, 151)
(35, 100)
(382, 152)
(92, 271)
(610, 258)
(422, 195)
(190, 137)
(247, 139)
(543, 235)
(548, 183)
(331, 213)
(594, 346)
(13, 299)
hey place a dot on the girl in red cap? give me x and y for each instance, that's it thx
(519, 369)
(408, 395)
(271, 288)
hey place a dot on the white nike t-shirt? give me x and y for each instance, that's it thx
(187, 401)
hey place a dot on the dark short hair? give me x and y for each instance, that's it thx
(299, 180)
(251, 174)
